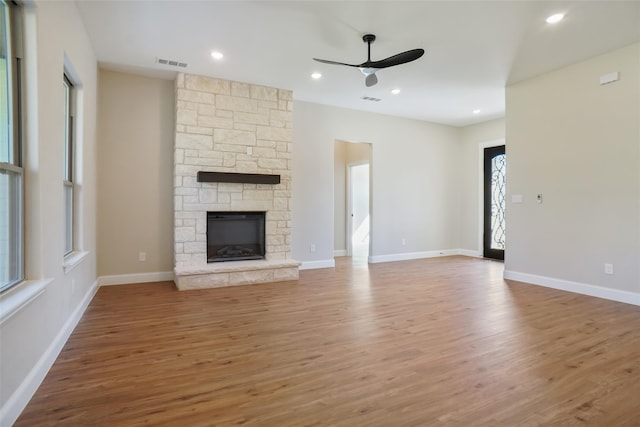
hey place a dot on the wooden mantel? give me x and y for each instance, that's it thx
(242, 178)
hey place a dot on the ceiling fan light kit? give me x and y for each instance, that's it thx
(369, 68)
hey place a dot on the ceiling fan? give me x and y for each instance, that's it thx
(370, 67)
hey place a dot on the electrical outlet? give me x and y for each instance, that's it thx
(404, 242)
(312, 247)
(608, 269)
(142, 256)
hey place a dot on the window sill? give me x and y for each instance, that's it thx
(20, 296)
(72, 260)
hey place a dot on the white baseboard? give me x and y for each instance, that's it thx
(11, 410)
(312, 265)
(123, 279)
(340, 252)
(579, 288)
(412, 255)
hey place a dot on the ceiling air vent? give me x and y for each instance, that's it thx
(171, 63)
(369, 98)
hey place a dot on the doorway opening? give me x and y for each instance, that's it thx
(352, 201)
(495, 178)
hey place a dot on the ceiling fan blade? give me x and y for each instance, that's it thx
(325, 61)
(369, 67)
(401, 58)
(371, 80)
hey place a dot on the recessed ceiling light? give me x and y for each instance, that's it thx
(316, 76)
(217, 55)
(476, 111)
(395, 91)
(555, 18)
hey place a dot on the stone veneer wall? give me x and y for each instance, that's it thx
(225, 126)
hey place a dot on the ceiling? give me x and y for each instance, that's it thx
(473, 48)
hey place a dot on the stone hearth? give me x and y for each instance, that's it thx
(225, 126)
(220, 274)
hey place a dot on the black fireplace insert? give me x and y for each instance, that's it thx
(235, 236)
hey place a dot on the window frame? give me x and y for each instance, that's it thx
(69, 167)
(15, 92)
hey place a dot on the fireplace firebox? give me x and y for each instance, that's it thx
(235, 236)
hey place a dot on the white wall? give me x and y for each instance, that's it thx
(473, 138)
(577, 143)
(32, 337)
(414, 180)
(136, 117)
(339, 198)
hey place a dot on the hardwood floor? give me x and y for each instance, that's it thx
(442, 341)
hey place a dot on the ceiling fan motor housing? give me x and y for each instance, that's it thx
(369, 38)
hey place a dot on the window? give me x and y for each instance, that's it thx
(11, 173)
(68, 165)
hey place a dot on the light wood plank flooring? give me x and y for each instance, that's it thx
(433, 342)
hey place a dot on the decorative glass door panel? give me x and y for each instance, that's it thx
(495, 168)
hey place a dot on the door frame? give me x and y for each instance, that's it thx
(481, 147)
(349, 219)
(487, 250)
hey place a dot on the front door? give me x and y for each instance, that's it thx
(495, 168)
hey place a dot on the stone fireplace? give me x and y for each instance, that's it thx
(234, 129)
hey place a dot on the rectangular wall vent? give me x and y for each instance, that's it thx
(369, 98)
(171, 62)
